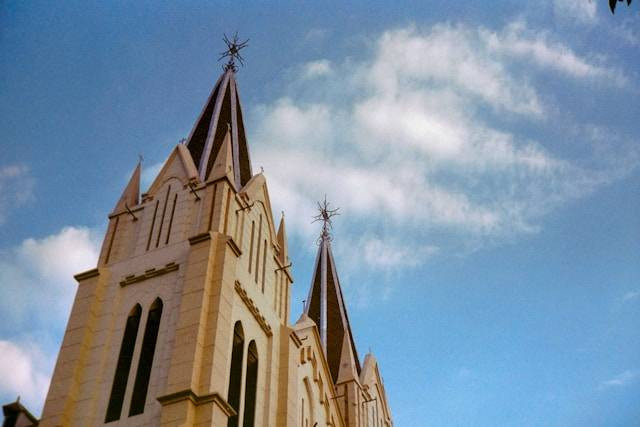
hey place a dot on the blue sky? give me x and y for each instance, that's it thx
(485, 160)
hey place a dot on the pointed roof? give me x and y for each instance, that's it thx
(131, 195)
(282, 241)
(12, 412)
(223, 165)
(325, 306)
(370, 375)
(179, 165)
(221, 112)
(348, 370)
(304, 321)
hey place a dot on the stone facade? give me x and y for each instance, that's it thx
(201, 248)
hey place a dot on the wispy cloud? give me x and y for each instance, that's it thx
(626, 31)
(538, 48)
(582, 11)
(16, 188)
(42, 267)
(318, 68)
(316, 35)
(403, 138)
(625, 378)
(631, 296)
(26, 372)
(454, 56)
(385, 254)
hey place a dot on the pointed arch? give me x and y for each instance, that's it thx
(235, 373)
(123, 366)
(145, 362)
(250, 387)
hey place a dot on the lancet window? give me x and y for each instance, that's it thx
(146, 359)
(250, 386)
(124, 365)
(235, 373)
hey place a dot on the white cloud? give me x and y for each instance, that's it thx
(403, 137)
(26, 372)
(621, 380)
(318, 68)
(45, 267)
(32, 327)
(379, 254)
(537, 47)
(316, 35)
(453, 56)
(16, 188)
(631, 296)
(626, 31)
(584, 11)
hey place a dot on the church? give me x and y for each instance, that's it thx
(186, 320)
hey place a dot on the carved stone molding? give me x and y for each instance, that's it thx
(148, 274)
(253, 309)
(188, 394)
(87, 274)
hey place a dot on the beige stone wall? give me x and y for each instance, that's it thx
(190, 244)
(316, 400)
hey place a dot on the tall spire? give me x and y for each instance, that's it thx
(221, 112)
(325, 305)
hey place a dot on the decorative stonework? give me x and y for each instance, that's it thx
(148, 274)
(197, 400)
(253, 309)
(87, 274)
(199, 238)
(207, 211)
(234, 247)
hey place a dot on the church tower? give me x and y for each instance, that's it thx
(360, 391)
(185, 319)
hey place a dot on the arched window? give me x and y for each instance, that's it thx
(146, 359)
(250, 385)
(235, 373)
(124, 365)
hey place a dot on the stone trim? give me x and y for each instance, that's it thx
(199, 238)
(253, 309)
(188, 394)
(284, 268)
(234, 247)
(87, 274)
(148, 274)
(124, 211)
(296, 339)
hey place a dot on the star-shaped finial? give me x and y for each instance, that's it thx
(325, 216)
(233, 52)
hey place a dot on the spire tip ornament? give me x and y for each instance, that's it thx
(233, 52)
(325, 216)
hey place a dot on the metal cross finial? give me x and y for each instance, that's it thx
(325, 216)
(233, 52)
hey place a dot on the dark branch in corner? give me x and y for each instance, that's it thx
(614, 3)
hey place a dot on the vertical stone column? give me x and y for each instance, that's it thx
(64, 392)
